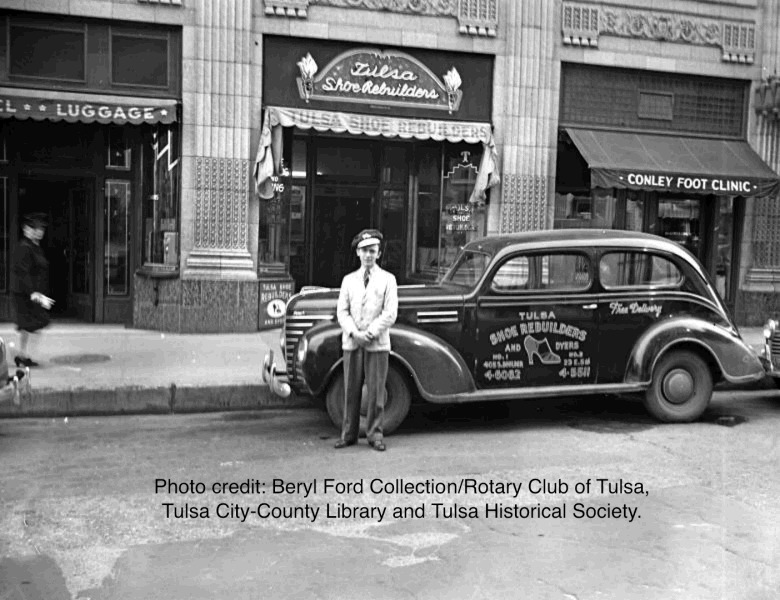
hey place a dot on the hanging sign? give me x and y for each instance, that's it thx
(383, 77)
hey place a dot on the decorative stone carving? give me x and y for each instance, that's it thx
(475, 17)
(168, 2)
(221, 199)
(523, 203)
(221, 202)
(583, 23)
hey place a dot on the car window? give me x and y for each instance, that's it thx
(468, 268)
(555, 271)
(512, 275)
(632, 269)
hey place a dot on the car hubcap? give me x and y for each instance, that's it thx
(678, 386)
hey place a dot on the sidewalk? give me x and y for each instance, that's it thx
(107, 369)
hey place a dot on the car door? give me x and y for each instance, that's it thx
(537, 323)
(639, 288)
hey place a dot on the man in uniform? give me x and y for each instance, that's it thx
(367, 307)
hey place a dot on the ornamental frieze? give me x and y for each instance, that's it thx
(582, 24)
(475, 17)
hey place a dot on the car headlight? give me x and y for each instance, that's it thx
(303, 347)
(769, 329)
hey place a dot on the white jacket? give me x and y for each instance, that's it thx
(373, 308)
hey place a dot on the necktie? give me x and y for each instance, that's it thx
(366, 276)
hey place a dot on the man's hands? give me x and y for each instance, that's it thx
(44, 301)
(363, 338)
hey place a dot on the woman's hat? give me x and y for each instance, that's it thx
(36, 220)
(367, 237)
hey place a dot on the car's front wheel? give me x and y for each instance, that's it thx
(681, 388)
(397, 403)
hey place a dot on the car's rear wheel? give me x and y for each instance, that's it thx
(681, 388)
(397, 403)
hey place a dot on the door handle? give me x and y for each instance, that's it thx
(589, 306)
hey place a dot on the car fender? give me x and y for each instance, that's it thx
(737, 362)
(435, 367)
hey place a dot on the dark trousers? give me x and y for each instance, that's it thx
(370, 367)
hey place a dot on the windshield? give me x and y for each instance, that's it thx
(467, 269)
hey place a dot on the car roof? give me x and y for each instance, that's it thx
(574, 237)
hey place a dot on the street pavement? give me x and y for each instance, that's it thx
(110, 508)
(109, 369)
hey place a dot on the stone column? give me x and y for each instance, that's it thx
(526, 114)
(216, 135)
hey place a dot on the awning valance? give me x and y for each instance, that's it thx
(73, 107)
(362, 124)
(268, 160)
(643, 161)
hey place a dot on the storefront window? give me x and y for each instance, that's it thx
(161, 198)
(274, 247)
(445, 218)
(117, 238)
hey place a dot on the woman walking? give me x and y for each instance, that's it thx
(31, 280)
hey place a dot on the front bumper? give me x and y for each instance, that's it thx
(276, 380)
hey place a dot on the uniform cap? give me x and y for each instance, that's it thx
(34, 220)
(367, 237)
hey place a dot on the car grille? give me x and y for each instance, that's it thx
(774, 348)
(294, 327)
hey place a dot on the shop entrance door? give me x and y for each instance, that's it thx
(340, 213)
(68, 244)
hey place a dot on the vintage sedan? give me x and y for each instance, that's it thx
(535, 315)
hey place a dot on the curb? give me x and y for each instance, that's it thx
(133, 400)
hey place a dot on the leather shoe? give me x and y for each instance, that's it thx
(342, 444)
(378, 446)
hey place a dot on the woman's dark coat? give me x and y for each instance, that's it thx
(31, 274)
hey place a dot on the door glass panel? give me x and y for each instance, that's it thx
(393, 230)
(679, 220)
(3, 234)
(635, 211)
(426, 214)
(80, 232)
(725, 248)
(117, 238)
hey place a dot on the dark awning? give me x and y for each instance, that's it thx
(55, 105)
(643, 161)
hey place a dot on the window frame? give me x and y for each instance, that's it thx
(135, 34)
(643, 286)
(539, 256)
(70, 27)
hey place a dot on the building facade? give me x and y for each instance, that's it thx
(200, 160)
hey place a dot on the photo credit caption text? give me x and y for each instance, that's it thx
(381, 499)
